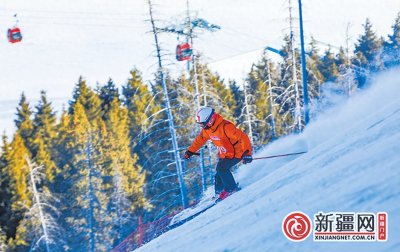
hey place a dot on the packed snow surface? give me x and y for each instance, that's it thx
(352, 165)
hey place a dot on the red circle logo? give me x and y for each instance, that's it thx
(296, 226)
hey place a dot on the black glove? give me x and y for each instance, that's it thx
(246, 158)
(188, 154)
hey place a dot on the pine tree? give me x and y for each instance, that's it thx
(149, 136)
(63, 152)
(148, 131)
(328, 67)
(314, 76)
(346, 82)
(394, 39)
(139, 101)
(88, 99)
(44, 132)
(107, 94)
(86, 174)
(342, 58)
(24, 122)
(121, 159)
(367, 53)
(392, 46)
(44, 120)
(368, 45)
(5, 192)
(84, 194)
(18, 172)
(20, 196)
(238, 97)
(127, 183)
(163, 181)
(261, 90)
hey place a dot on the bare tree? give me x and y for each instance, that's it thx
(41, 215)
(171, 124)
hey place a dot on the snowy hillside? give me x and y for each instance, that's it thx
(352, 165)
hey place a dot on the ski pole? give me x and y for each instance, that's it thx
(274, 156)
(282, 155)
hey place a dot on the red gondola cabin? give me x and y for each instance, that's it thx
(14, 35)
(183, 52)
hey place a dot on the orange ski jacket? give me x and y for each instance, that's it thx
(230, 141)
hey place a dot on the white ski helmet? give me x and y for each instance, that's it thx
(206, 117)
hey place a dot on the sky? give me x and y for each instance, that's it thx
(100, 39)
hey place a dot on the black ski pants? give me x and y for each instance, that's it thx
(224, 178)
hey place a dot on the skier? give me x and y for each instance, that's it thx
(233, 146)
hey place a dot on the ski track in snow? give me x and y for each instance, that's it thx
(352, 165)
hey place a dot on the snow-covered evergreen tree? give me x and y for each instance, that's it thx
(368, 54)
(314, 75)
(391, 56)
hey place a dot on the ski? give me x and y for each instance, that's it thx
(181, 222)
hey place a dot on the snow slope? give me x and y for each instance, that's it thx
(352, 165)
